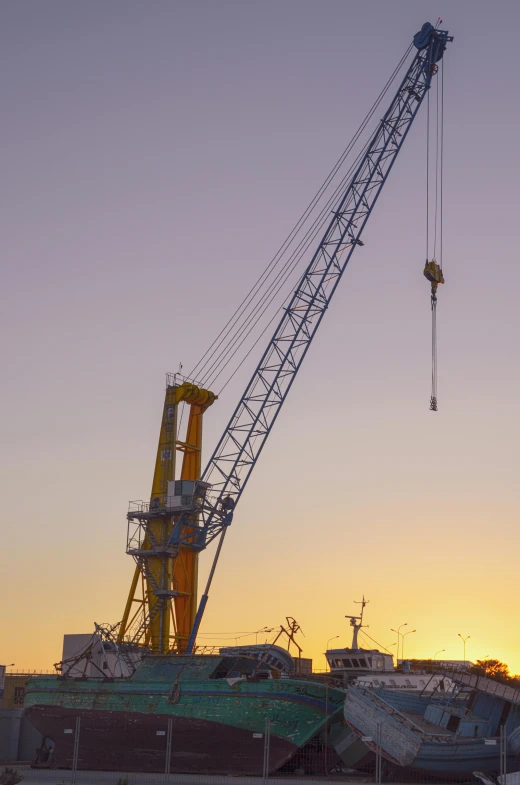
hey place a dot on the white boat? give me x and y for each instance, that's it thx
(374, 669)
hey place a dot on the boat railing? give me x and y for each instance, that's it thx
(450, 708)
(483, 684)
(207, 650)
(318, 678)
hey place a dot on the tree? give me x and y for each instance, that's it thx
(494, 669)
(497, 670)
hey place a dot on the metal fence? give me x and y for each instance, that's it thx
(163, 758)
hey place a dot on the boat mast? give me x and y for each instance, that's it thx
(354, 622)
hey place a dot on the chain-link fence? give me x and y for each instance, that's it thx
(164, 754)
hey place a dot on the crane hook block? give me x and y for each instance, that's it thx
(433, 273)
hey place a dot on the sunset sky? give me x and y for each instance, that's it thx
(154, 157)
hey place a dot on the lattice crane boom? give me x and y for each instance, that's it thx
(237, 452)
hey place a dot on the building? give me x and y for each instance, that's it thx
(18, 739)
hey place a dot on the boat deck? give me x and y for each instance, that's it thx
(428, 727)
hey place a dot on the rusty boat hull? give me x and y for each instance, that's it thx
(126, 741)
(217, 719)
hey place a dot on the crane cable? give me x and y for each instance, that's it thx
(253, 318)
(433, 269)
(213, 362)
(252, 313)
(240, 327)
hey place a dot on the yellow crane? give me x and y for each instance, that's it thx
(161, 605)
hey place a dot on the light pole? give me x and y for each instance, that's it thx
(438, 652)
(397, 631)
(327, 646)
(402, 643)
(464, 642)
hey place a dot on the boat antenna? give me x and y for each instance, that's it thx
(357, 622)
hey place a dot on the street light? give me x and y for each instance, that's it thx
(464, 642)
(326, 648)
(402, 642)
(438, 652)
(398, 634)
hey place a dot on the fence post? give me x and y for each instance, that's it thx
(75, 753)
(167, 763)
(379, 757)
(325, 756)
(503, 754)
(267, 744)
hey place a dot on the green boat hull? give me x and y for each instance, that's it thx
(218, 720)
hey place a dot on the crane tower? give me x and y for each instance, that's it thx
(161, 604)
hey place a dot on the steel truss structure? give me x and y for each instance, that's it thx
(243, 439)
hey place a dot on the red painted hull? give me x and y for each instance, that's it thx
(129, 741)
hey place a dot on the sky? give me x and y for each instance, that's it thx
(154, 157)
